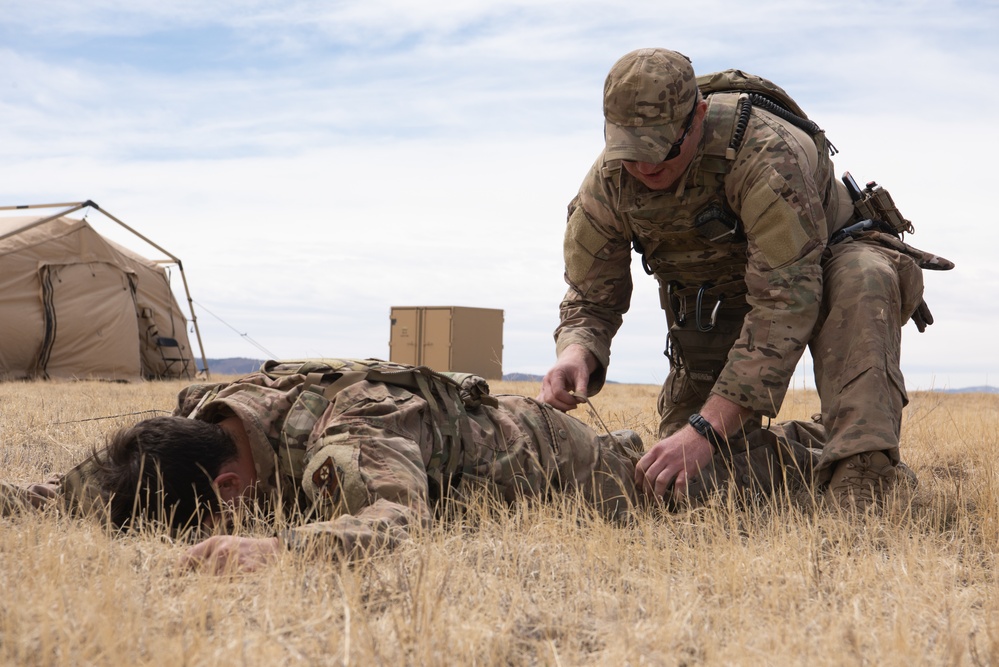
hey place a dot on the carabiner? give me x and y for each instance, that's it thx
(697, 310)
(677, 304)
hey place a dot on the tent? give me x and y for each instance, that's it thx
(74, 304)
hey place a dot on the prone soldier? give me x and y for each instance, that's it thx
(360, 451)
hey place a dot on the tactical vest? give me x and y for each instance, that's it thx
(697, 250)
(448, 395)
(705, 224)
(690, 240)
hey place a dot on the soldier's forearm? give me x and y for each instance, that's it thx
(382, 526)
(725, 416)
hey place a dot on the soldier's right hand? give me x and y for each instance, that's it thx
(564, 385)
(226, 554)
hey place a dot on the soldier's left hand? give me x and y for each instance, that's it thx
(922, 316)
(223, 554)
(672, 462)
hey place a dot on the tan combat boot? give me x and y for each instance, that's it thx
(861, 480)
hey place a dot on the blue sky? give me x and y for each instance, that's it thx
(316, 163)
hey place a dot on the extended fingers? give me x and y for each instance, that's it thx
(641, 471)
(557, 392)
(680, 485)
(224, 554)
(211, 553)
(653, 474)
(665, 479)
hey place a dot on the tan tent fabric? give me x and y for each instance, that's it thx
(76, 305)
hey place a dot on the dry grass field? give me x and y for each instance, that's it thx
(778, 583)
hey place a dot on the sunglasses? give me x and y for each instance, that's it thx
(674, 150)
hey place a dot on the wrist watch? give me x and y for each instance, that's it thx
(704, 427)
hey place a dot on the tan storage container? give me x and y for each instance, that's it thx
(449, 338)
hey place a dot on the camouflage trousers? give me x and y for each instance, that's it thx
(869, 292)
(762, 462)
(566, 454)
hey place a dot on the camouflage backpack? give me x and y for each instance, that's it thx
(873, 204)
(329, 376)
(748, 91)
(448, 395)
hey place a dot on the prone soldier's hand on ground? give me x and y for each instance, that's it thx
(39, 495)
(672, 462)
(227, 553)
(567, 379)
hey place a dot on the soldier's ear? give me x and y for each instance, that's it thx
(230, 486)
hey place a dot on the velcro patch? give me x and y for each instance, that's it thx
(582, 242)
(771, 223)
(333, 477)
(326, 480)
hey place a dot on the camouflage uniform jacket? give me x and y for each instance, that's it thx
(357, 467)
(776, 193)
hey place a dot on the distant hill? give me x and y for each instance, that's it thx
(986, 389)
(522, 377)
(232, 365)
(527, 377)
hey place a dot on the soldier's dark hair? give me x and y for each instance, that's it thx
(162, 470)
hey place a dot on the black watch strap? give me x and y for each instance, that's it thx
(704, 427)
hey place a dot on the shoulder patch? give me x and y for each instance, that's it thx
(771, 223)
(333, 478)
(582, 243)
(326, 480)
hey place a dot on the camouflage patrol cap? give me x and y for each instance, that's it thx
(648, 95)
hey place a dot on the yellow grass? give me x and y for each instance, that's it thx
(776, 584)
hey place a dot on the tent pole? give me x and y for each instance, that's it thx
(41, 221)
(194, 321)
(21, 207)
